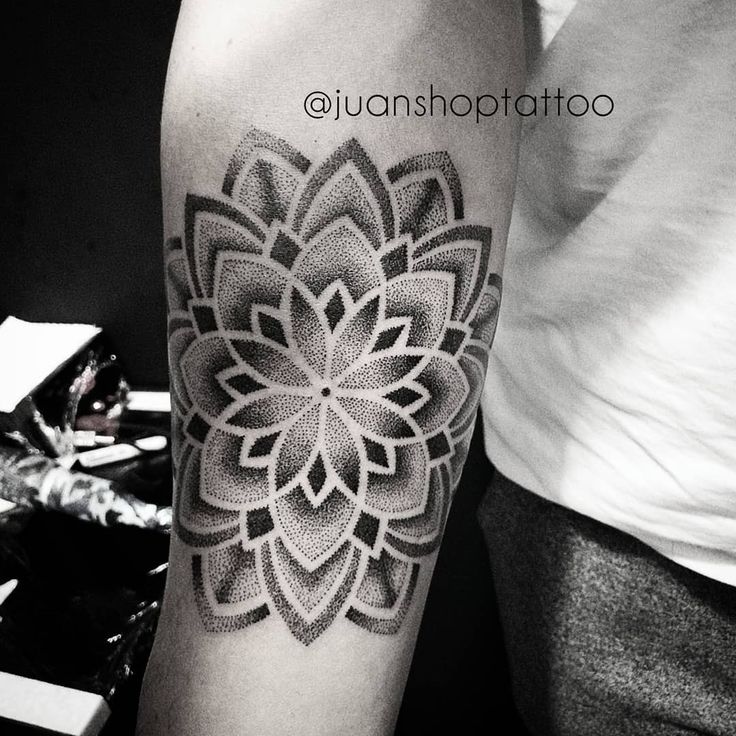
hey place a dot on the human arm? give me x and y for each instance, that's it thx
(333, 290)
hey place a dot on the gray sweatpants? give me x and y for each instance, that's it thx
(604, 635)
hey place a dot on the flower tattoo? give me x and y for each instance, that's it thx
(329, 327)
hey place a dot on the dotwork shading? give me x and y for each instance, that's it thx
(329, 328)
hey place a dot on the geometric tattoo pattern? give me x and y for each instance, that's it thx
(329, 330)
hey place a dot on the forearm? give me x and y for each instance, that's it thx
(333, 291)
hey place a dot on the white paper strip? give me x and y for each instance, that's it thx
(32, 351)
(156, 401)
(53, 707)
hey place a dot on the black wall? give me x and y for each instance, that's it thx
(81, 214)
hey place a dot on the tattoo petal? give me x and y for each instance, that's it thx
(266, 189)
(343, 453)
(420, 534)
(179, 341)
(379, 419)
(405, 489)
(384, 580)
(198, 523)
(177, 282)
(382, 373)
(225, 482)
(427, 299)
(212, 227)
(296, 447)
(447, 385)
(464, 252)
(264, 410)
(313, 532)
(348, 183)
(304, 628)
(309, 330)
(267, 363)
(241, 282)
(356, 335)
(339, 253)
(422, 207)
(311, 591)
(232, 573)
(203, 360)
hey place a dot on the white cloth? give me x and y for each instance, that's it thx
(612, 381)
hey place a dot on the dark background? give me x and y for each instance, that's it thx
(81, 241)
(81, 213)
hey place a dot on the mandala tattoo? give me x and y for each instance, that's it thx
(329, 331)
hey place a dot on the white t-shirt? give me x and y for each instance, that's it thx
(612, 381)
